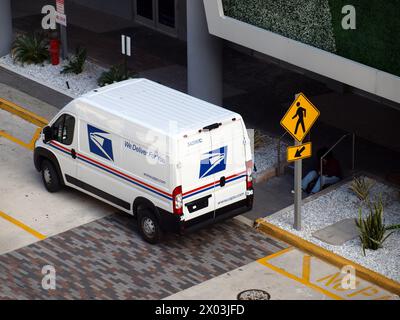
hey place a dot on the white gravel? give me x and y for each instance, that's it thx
(266, 157)
(341, 204)
(50, 76)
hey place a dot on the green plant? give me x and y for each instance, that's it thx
(259, 139)
(76, 63)
(115, 74)
(372, 229)
(361, 187)
(30, 48)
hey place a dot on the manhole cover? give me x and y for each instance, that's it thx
(254, 294)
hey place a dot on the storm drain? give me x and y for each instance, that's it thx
(254, 294)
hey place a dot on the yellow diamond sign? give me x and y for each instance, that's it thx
(300, 117)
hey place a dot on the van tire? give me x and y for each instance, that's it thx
(50, 178)
(149, 226)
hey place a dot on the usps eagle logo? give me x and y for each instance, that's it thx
(100, 143)
(213, 162)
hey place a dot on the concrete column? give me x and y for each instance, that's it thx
(5, 27)
(204, 56)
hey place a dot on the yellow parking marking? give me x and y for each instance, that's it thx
(319, 280)
(29, 146)
(277, 254)
(306, 268)
(22, 226)
(15, 140)
(304, 281)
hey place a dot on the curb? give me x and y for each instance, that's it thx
(269, 173)
(29, 77)
(23, 113)
(328, 256)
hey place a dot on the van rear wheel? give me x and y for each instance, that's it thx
(51, 180)
(149, 226)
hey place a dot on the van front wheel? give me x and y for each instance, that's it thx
(50, 177)
(149, 226)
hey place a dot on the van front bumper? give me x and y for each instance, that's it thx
(172, 223)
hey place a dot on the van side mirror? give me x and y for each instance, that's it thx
(47, 134)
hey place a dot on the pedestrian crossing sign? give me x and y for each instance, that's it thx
(300, 117)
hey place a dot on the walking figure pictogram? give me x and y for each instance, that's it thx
(301, 114)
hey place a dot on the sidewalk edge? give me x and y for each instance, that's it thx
(327, 256)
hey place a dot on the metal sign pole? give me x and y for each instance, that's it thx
(297, 191)
(298, 168)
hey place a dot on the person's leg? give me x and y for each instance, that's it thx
(326, 180)
(330, 180)
(303, 126)
(317, 186)
(308, 178)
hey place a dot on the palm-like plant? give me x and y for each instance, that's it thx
(77, 62)
(373, 232)
(361, 187)
(30, 48)
(115, 74)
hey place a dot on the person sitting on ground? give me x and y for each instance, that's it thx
(330, 169)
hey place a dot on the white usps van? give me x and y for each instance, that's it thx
(174, 161)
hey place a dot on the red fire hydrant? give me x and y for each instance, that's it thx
(54, 51)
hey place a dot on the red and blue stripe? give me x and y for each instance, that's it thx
(142, 184)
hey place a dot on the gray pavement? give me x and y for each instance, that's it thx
(107, 259)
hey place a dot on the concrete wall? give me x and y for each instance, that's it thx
(204, 56)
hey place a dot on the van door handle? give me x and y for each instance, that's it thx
(73, 154)
(222, 181)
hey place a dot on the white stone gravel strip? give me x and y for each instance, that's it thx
(340, 204)
(50, 76)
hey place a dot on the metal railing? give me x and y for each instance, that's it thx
(353, 135)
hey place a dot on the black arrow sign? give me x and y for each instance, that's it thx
(299, 152)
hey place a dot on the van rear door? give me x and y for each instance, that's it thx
(213, 169)
(197, 176)
(228, 142)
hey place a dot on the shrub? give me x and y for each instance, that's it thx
(77, 62)
(372, 229)
(361, 187)
(115, 74)
(30, 48)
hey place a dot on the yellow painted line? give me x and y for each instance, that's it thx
(277, 254)
(34, 138)
(22, 226)
(28, 146)
(23, 113)
(306, 268)
(302, 281)
(328, 256)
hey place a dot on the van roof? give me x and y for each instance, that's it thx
(153, 105)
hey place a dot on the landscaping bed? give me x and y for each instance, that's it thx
(266, 157)
(50, 76)
(342, 203)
